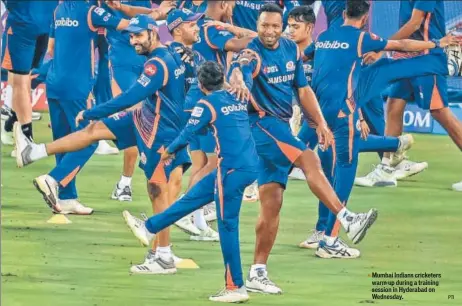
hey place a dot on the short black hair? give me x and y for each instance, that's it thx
(271, 8)
(303, 13)
(357, 8)
(211, 75)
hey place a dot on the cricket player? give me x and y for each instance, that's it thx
(151, 127)
(194, 6)
(236, 169)
(373, 114)
(343, 87)
(27, 27)
(272, 67)
(300, 25)
(182, 24)
(73, 20)
(245, 13)
(425, 21)
(126, 66)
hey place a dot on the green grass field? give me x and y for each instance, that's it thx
(87, 262)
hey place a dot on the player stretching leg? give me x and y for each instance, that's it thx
(272, 68)
(340, 98)
(151, 128)
(429, 92)
(236, 169)
(66, 102)
(301, 24)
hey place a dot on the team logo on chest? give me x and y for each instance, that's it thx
(290, 66)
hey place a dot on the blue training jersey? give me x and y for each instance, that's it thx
(158, 88)
(189, 4)
(339, 53)
(36, 14)
(72, 72)
(245, 13)
(334, 12)
(229, 121)
(121, 53)
(433, 26)
(212, 42)
(273, 76)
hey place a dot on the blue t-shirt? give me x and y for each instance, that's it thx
(273, 77)
(245, 13)
(72, 72)
(157, 87)
(121, 53)
(229, 121)
(189, 4)
(339, 53)
(212, 42)
(37, 15)
(334, 12)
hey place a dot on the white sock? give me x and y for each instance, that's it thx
(125, 181)
(329, 240)
(342, 215)
(386, 161)
(164, 252)
(255, 267)
(39, 151)
(7, 97)
(199, 219)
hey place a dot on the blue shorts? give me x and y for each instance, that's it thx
(124, 127)
(277, 148)
(24, 48)
(123, 77)
(203, 142)
(307, 135)
(182, 159)
(428, 92)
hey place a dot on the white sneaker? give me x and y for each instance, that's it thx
(122, 194)
(74, 207)
(407, 168)
(405, 143)
(238, 295)
(338, 249)
(36, 116)
(48, 187)
(24, 146)
(297, 174)
(210, 212)
(138, 228)
(104, 148)
(258, 281)
(251, 193)
(381, 176)
(6, 137)
(206, 235)
(457, 186)
(312, 241)
(358, 224)
(154, 264)
(185, 224)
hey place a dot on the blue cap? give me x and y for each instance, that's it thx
(178, 16)
(141, 23)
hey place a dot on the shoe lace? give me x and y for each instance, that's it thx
(316, 235)
(263, 278)
(358, 218)
(144, 217)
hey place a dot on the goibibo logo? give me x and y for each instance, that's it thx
(332, 45)
(226, 110)
(66, 22)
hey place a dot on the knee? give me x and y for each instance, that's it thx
(153, 190)
(438, 114)
(308, 161)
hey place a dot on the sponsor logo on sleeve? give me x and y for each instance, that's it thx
(99, 11)
(197, 112)
(144, 80)
(150, 69)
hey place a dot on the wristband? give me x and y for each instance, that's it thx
(437, 43)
